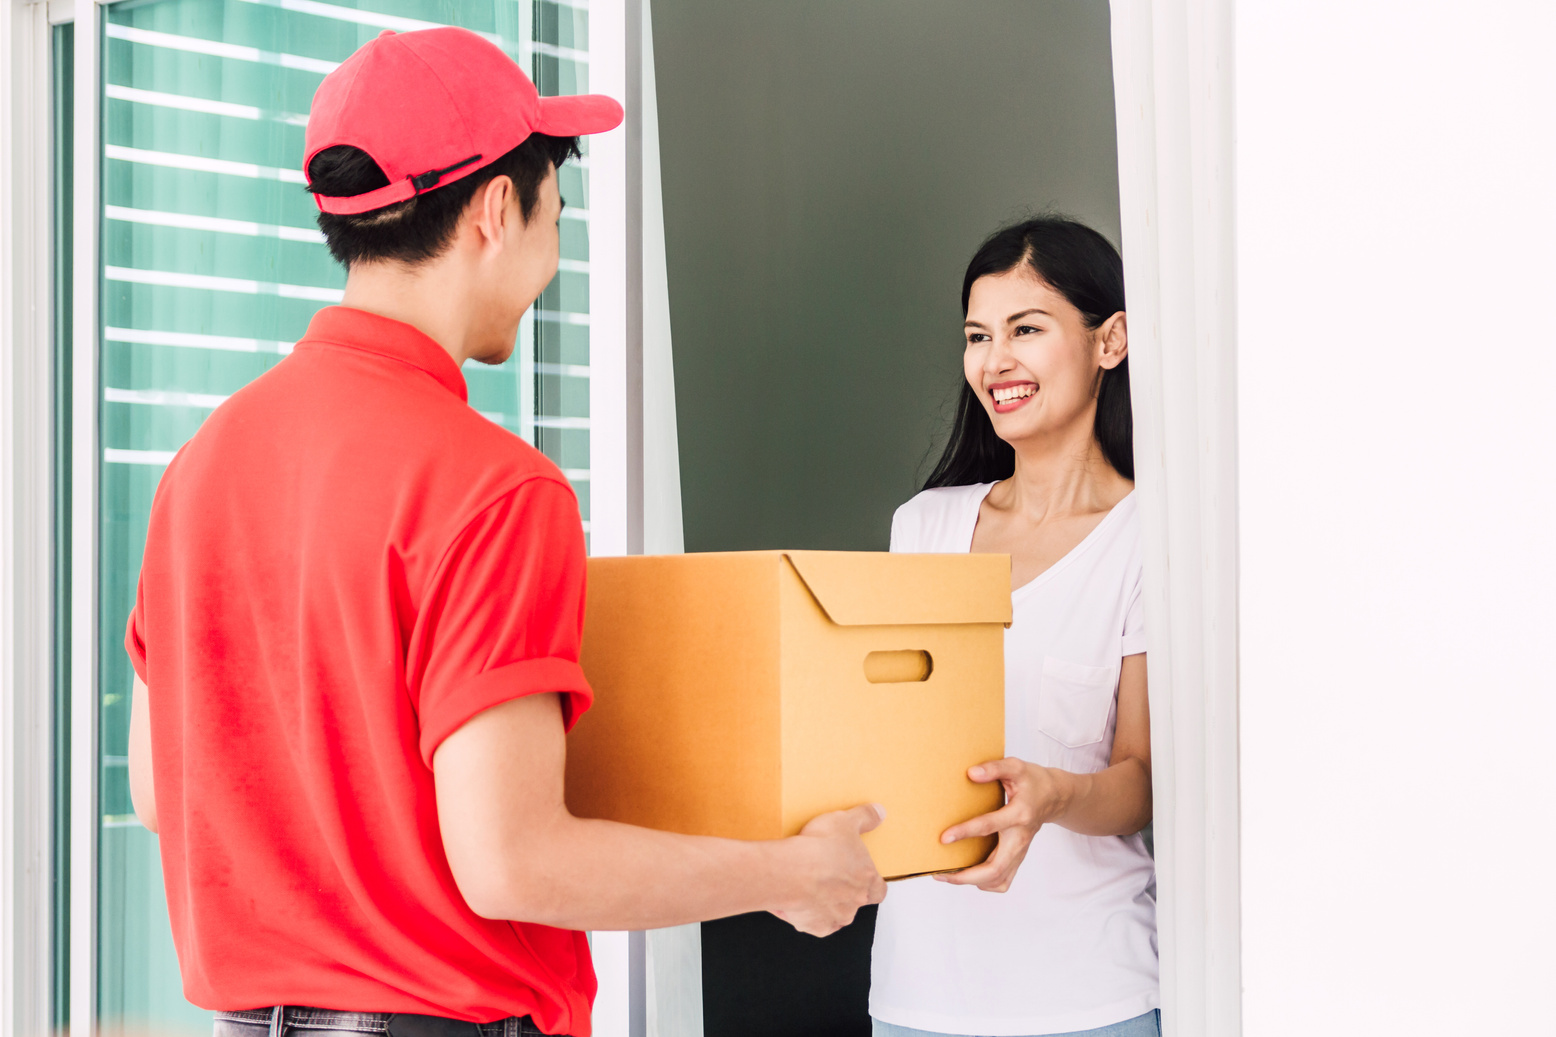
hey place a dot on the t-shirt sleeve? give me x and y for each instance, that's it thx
(135, 632)
(504, 616)
(904, 529)
(1134, 618)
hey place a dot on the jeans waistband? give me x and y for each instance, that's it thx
(301, 1017)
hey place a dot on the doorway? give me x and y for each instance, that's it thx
(827, 170)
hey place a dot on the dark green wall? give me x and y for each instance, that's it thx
(829, 166)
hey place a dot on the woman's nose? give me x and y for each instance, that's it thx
(999, 357)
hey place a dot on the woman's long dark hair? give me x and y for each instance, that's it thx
(1082, 266)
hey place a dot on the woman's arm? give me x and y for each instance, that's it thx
(1115, 801)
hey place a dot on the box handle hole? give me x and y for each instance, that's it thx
(897, 667)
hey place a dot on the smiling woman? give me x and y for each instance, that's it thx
(1056, 931)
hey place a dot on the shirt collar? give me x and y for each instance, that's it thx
(358, 329)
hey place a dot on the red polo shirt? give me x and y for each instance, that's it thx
(344, 565)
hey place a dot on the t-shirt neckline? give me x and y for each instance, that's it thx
(1069, 556)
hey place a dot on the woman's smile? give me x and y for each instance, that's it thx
(1008, 396)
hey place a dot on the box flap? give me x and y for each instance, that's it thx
(874, 588)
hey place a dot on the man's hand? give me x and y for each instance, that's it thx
(840, 877)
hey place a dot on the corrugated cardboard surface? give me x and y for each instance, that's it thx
(906, 746)
(682, 653)
(881, 589)
(731, 697)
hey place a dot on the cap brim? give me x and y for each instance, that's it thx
(577, 115)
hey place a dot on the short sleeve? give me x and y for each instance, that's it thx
(902, 523)
(1134, 617)
(135, 633)
(504, 615)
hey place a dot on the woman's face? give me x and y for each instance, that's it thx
(1031, 359)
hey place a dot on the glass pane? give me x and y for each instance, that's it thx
(560, 66)
(212, 267)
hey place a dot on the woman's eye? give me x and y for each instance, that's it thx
(975, 338)
(1027, 329)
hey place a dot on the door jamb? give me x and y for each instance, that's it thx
(1173, 92)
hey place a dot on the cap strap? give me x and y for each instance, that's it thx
(351, 205)
(430, 178)
(390, 194)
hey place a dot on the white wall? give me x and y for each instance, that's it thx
(1396, 236)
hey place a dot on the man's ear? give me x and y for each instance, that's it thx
(1113, 341)
(491, 210)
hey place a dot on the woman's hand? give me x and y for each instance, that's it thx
(1034, 795)
(1113, 801)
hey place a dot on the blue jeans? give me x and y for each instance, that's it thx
(1147, 1025)
(322, 1022)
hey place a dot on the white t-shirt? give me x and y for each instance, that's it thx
(1072, 944)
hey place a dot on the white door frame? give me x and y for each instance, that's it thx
(650, 983)
(1172, 62)
(1172, 72)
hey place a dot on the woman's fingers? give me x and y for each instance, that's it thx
(1008, 868)
(1011, 815)
(977, 875)
(993, 875)
(1008, 769)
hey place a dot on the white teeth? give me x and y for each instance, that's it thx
(1014, 392)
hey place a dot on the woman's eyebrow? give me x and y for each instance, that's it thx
(1026, 313)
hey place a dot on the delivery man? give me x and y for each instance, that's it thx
(357, 628)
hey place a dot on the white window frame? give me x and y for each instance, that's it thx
(84, 696)
(615, 310)
(26, 500)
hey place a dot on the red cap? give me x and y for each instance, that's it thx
(432, 106)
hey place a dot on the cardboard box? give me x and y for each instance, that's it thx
(742, 694)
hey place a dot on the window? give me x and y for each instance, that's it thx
(211, 268)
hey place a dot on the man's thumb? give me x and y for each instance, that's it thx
(867, 817)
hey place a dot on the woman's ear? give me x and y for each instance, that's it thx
(1113, 341)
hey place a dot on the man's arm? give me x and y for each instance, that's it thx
(516, 852)
(142, 795)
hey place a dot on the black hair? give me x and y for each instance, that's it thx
(1082, 266)
(422, 227)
